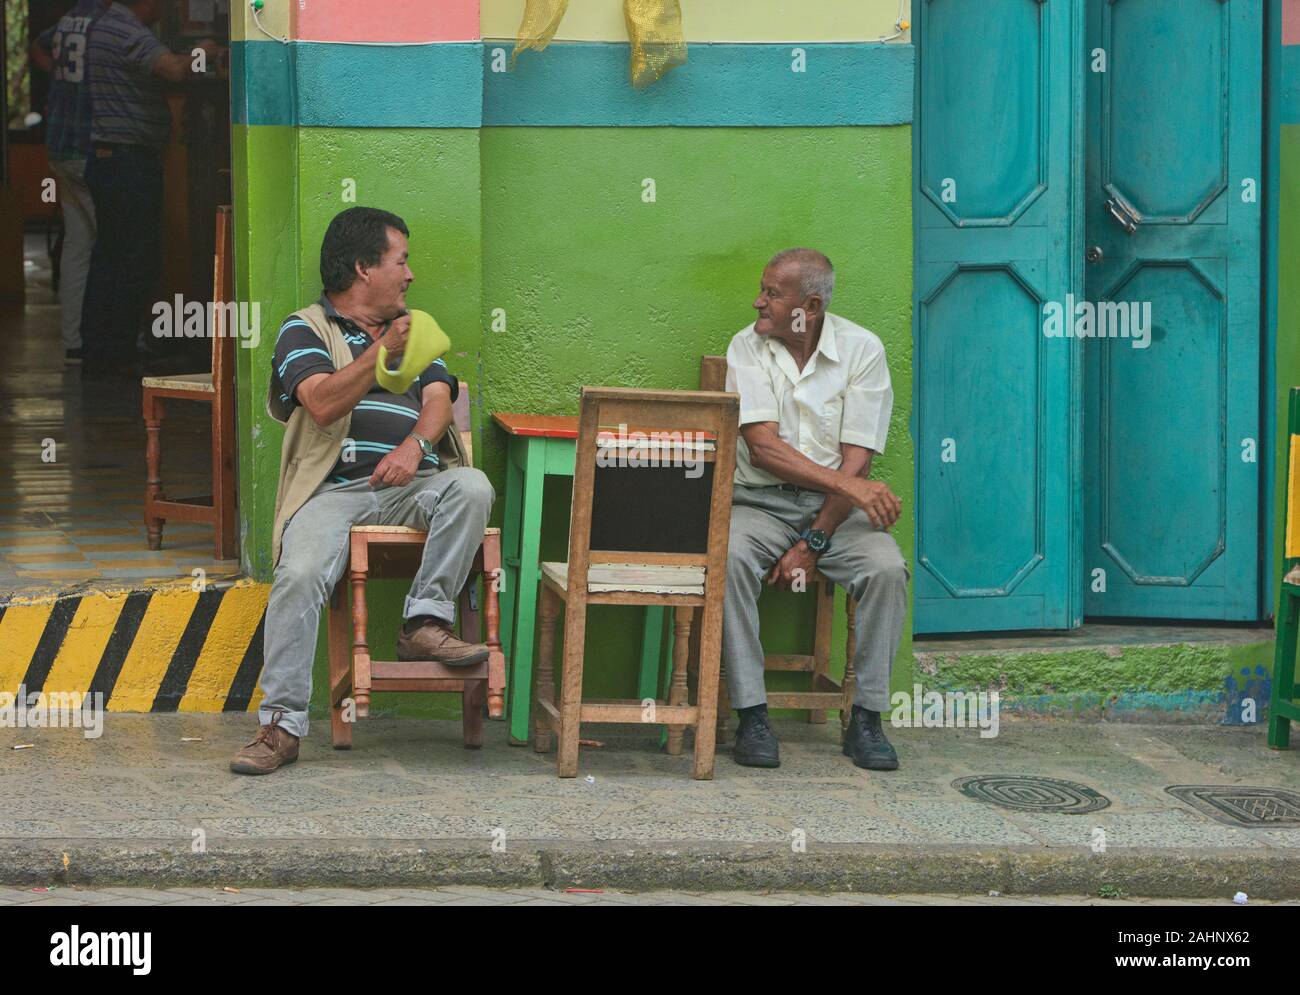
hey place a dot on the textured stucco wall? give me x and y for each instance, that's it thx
(718, 20)
(600, 287)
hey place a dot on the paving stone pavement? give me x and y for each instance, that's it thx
(159, 786)
(465, 895)
(165, 776)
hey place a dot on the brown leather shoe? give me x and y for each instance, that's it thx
(434, 641)
(273, 748)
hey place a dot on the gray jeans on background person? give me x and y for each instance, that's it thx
(78, 240)
(866, 562)
(452, 504)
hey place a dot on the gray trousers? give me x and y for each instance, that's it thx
(78, 241)
(452, 504)
(765, 523)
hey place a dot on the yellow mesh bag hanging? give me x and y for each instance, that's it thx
(654, 28)
(541, 20)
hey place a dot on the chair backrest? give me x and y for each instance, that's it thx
(713, 373)
(652, 479)
(461, 418)
(223, 328)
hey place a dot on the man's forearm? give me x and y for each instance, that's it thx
(435, 417)
(768, 452)
(856, 463)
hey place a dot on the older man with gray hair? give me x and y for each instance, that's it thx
(815, 402)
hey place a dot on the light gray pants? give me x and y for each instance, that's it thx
(452, 504)
(765, 523)
(78, 239)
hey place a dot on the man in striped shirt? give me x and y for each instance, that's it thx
(385, 472)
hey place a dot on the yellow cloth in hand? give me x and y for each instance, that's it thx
(424, 343)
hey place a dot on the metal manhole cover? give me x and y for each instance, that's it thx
(1242, 805)
(1026, 793)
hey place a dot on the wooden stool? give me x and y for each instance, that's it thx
(395, 551)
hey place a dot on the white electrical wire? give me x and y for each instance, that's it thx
(898, 24)
(257, 19)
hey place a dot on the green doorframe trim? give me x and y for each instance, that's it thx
(1271, 203)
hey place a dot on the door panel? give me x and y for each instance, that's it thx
(1171, 507)
(993, 396)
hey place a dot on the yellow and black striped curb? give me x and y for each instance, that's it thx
(163, 649)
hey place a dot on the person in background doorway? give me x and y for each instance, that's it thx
(130, 125)
(61, 52)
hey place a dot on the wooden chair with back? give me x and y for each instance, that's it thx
(653, 535)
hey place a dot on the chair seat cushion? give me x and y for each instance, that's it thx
(641, 578)
(181, 381)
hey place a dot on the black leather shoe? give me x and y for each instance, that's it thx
(866, 743)
(756, 746)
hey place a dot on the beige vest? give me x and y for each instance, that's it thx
(309, 450)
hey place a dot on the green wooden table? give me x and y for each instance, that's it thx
(542, 446)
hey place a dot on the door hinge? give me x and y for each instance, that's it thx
(1127, 220)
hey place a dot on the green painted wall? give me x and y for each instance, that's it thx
(265, 162)
(1288, 320)
(600, 287)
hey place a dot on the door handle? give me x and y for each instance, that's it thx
(1121, 214)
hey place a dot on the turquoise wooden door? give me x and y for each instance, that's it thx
(1171, 432)
(997, 104)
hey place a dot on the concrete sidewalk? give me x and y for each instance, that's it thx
(410, 807)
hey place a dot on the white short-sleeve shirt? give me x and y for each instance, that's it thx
(843, 394)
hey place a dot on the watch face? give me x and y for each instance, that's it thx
(817, 541)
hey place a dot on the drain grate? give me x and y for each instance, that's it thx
(1242, 805)
(1027, 793)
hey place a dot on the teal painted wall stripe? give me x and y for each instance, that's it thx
(586, 85)
(451, 85)
(1290, 84)
(260, 74)
(357, 86)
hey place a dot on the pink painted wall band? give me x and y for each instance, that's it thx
(386, 20)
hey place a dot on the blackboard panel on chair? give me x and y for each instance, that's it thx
(652, 509)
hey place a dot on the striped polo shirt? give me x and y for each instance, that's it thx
(381, 421)
(128, 101)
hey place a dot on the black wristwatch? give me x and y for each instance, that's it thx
(817, 540)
